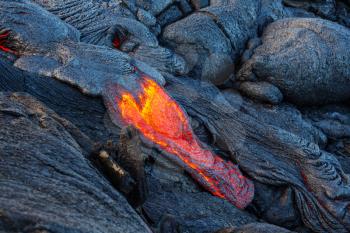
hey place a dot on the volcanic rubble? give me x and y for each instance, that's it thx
(168, 116)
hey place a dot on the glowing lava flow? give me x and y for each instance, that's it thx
(3, 39)
(160, 119)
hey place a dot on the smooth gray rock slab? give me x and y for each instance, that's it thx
(91, 68)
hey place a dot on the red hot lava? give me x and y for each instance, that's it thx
(161, 120)
(118, 41)
(3, 40)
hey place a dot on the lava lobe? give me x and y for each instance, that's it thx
(161, 120)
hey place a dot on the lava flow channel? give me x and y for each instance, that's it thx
(161, 120)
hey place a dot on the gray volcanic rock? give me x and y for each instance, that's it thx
(333, 120)
(86, 112)
(101, 25)
(195, 212)
(273, 156)
(323, 8)
(211, 39)
(32, 28)
(283, 116)
(262, 91)
(256, 228)
(90, 68)
(162, 59)
(200, 41)
(306, 58)
(47, 184)
(98, 24)
(238, 21)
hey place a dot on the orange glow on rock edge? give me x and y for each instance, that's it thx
(160, 119)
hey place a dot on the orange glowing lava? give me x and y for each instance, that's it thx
(161, 120)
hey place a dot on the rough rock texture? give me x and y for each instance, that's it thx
(59, 54)
(273, 156)
(334, 121)
(88, 67)
(284, 116)
(195, 212)
(170, 194)
(97, 25)
(306, 58)
(102, 25)
(203, 45)
(275, 205)
(32, 28)
(323, 8)
(46, 182)
(256, 228)
(211, 40)
(67, 53)
(262, 91)
(86, 112)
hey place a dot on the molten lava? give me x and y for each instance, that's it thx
(3, 40)
(160, 119)
(117, 41)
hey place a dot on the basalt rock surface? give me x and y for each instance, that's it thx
(273, 156)
(47, 183)
(251, 76)
(303, 57)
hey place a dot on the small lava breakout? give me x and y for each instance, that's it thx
(3, 40)
(161, 120)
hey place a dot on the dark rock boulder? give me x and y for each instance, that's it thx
(195, 212)
(47, 184)
(200, 41)
(306, 58)
(31, 27)
(256, 228)
(211, 39)
(262, 91)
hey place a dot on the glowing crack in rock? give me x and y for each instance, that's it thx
(118, 41)
(161, 120)
(3, 40)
